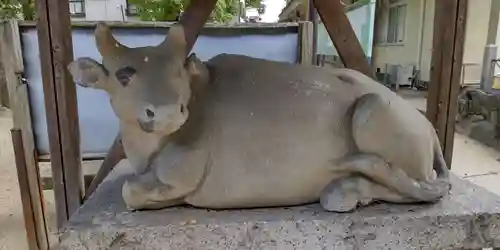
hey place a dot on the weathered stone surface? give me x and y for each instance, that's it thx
(469, 218)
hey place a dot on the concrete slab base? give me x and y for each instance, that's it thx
(468, 218)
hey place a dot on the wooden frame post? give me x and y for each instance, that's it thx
(33, 212)
(22, 137)
(448, 45)
(333, 16)
(56, 52)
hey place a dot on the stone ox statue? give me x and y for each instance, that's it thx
(241, 132)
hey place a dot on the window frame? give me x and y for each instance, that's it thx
(388, 28)
(127, 9)
(81, 14)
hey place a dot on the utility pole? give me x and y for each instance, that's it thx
(313, 17)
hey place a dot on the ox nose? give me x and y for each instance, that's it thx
(146, 118)
(150, 113)
(147, 113)
(147, 126)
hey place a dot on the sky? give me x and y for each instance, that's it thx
(273, 9)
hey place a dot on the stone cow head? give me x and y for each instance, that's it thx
(148, 86)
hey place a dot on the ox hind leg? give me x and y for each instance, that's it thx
(373, 174)
(357, 190)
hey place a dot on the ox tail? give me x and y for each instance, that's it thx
(439, 164)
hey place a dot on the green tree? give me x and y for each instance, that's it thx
(159, 10)
(224, 11)
(253, 3)
(169, 10)
(10, 9)
(13, 9)
(28, 9)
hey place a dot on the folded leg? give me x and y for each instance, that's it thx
(356, 189)
(397, 148)
(145, 191)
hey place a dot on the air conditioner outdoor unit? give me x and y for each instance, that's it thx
(405, 74)
(400, 75)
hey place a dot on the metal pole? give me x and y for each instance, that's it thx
(487, 72)
(313, 17)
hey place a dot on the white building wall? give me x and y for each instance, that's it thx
(105, 10)
(417, 47)
(476, 34)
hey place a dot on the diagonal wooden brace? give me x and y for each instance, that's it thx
(333, 15)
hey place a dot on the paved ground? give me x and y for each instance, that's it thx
(12, 235)
(471, 161)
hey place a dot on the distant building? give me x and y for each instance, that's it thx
(361, 15)
(404, 35)
(252, 15)
(297, 10)
(102, 10)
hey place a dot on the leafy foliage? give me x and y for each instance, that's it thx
(9, 9)
(148, 10)
(169, 10)
(224, 10)
(256, 4)
(28, 9)
(159, 10)
(14, 9)
(252, 3)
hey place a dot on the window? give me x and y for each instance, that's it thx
(392, 28)
(131, 9)
(77, 7)
(397, 24)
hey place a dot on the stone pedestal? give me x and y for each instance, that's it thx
(469, 218)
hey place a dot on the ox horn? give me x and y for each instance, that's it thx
(106, 43)
(175, 42)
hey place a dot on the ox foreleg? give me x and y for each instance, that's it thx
(146, 191)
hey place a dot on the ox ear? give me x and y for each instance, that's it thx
(86, 72)
(106, 43)
(196, 68)
(175, 42)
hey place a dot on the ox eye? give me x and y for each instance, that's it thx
(182, 109)
(124, 74)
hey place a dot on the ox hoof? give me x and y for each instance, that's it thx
(344, 195)
(133, 195)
